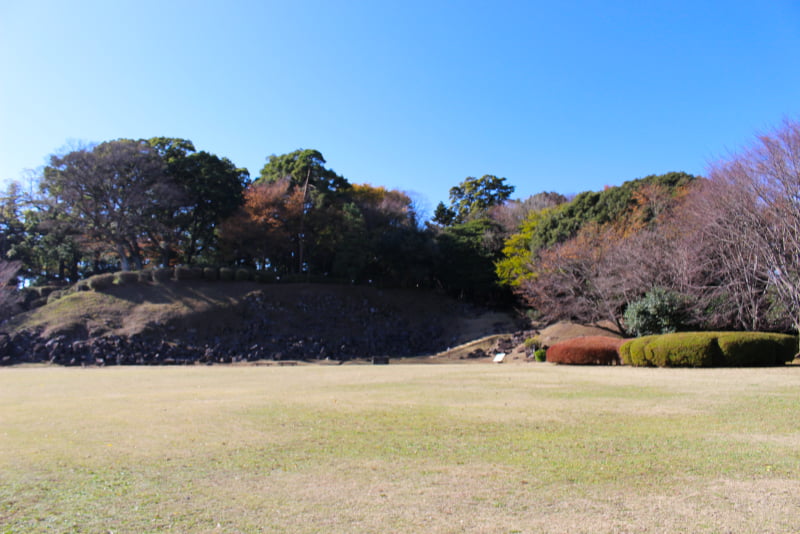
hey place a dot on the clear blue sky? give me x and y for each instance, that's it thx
(417, 95)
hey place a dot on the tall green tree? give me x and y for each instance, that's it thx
(465, 263)
(472, 198)
(211, 189)
(301, 167)
(324, 196)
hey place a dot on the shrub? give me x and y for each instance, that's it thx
(55, 295)
(210, 273)
(756, 349)
(182, 272)
(162, 274)
(532, 343)
(81, 285)
(540, 355)
(226, 274)
(146, 275)
(99, 282)
(588, 350)
(126, 277)
(707, 349)
(264, 277)
(44, 291)
(659, 312)
(243, 275)
(687, 349)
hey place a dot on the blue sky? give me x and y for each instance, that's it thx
(415, 95)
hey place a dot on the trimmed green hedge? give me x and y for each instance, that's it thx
(210, 273)
(126, 277)
(101, 281)
(162, 274)
(710, 349)
(243, 275)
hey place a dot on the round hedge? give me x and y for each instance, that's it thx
(587, 350)
(210, 273)
(101, 281)
(710, 349)
(162, 274)
(126, 277)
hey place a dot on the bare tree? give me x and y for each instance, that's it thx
(762, 238)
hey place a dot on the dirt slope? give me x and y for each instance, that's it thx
(246, 320)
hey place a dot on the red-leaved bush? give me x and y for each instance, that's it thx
(588, 350)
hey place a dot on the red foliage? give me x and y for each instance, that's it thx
(588, 350)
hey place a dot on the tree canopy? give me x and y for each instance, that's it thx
(472, 199)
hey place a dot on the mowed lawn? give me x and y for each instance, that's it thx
(399, 448)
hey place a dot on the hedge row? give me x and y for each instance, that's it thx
(710, 349)
(587, 350)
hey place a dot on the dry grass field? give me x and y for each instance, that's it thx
(399, 448)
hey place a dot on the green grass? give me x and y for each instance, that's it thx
(403, 448)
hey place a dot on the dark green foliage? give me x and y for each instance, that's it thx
(745, 349)
(226, 274)
(146, 275)
(472, 198)
(243, 275)
(211, 189)
(443, 215)
(301, 166)
(126, 277)
(707, 349)
(602, 207)
(81, 285)
(264, 277)
(466, 259)
(99, 282)
(182, 272)
(660, 311)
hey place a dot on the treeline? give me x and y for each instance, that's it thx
(672, 252)
(660, 253)
(133, 204)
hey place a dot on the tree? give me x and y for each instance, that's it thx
(619, 249)
(753, 204)
(111, 194)
(513, 213)
(465, 265)
(8, 290)
(265, 230)
(303, 167)
(472, 198)
(211, 189)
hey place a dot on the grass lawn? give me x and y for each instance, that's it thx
(399, 448)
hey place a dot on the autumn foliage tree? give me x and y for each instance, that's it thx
(588, 259)
(265, 230)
